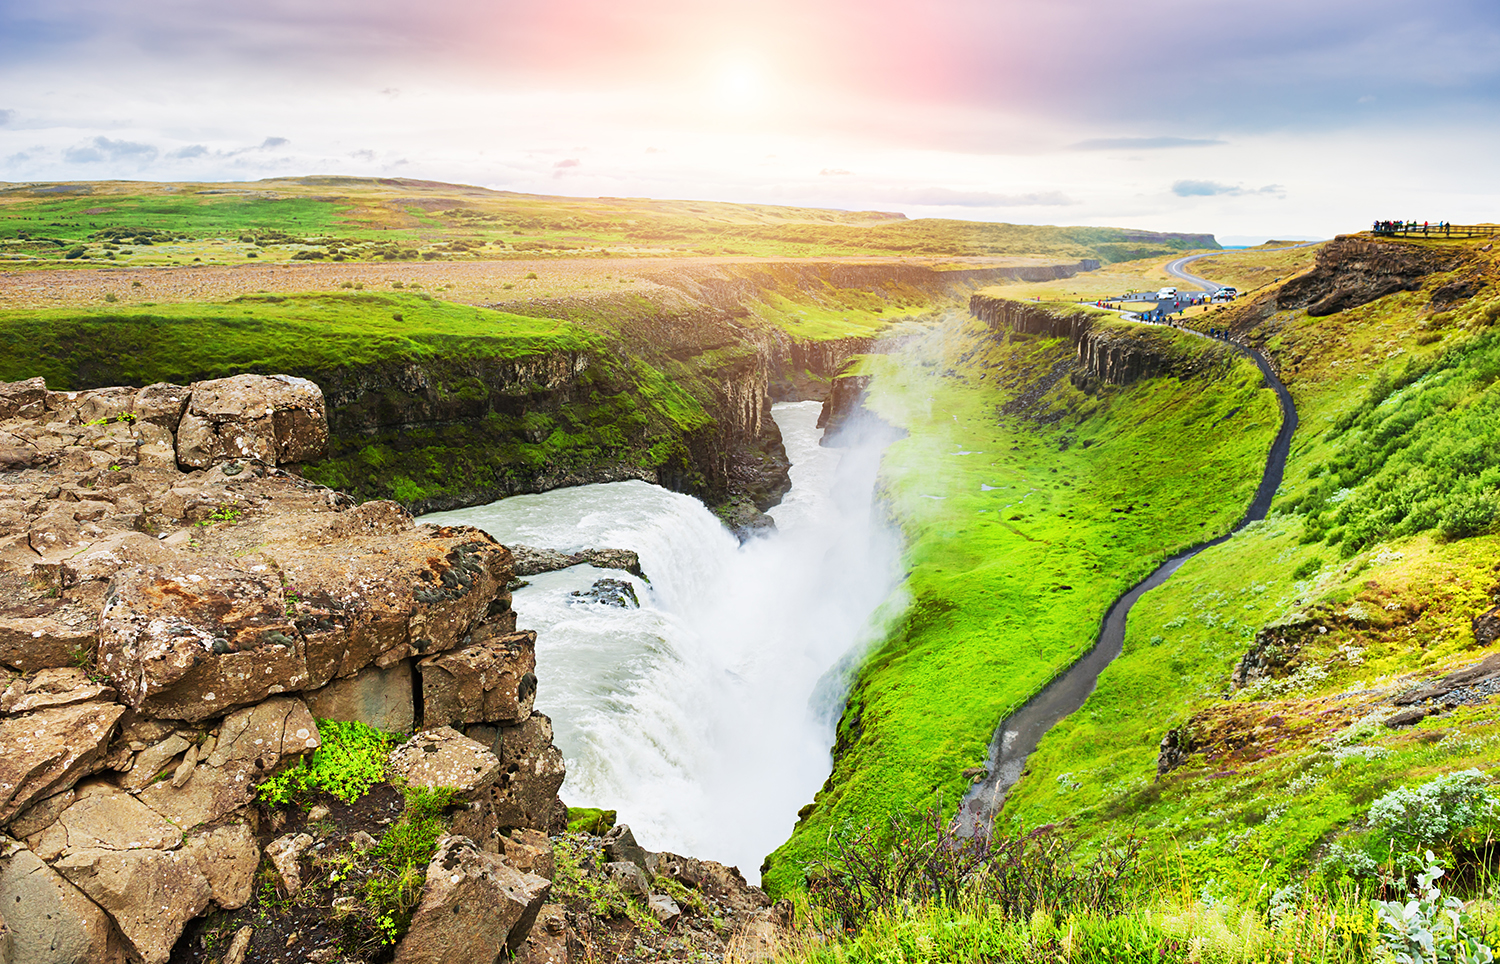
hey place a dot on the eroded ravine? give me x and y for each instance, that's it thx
(1018, 734)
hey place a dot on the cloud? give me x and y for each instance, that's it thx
(192, 150)
(6, 116)
(364, 155)
(105, 149)
(272, 143)
(945, 197)
(834, 172)
(1142, 143)
(568, 162)
(1215, 189)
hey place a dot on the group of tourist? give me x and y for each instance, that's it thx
(1411, 227)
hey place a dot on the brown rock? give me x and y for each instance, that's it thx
(275, 418)
(105, 818)
(490, 682)
(30, 643)
(444, 757)
(547, 942)
(150, 894)
(50, 921)
(152, 762)
(285, 854)
(100, 404)
(41, 815)
(161, 404)
(531, 771)
(52, 687)
(194, 639)
(240, 946)
(377, 697)
(24, 399)
(50, 750)
(1486, 627)
(529, 851)
(473, 908)
(227, 856)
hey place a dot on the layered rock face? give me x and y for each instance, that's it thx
(176, 607)
(1353, 271)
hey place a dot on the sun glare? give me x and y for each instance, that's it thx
(740, 84)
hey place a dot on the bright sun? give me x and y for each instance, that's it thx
(740, 83)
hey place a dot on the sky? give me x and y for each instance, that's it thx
(1279, 118)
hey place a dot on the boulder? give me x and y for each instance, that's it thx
(277, 419)
(474, 908)
(630, 877)
(376, 697)
(50, 750)
(195, 639)
(51, 921)
(663, 908)
(493, 681)
(619, 844)
(1486, 627)
(150, 894)
(610, 592)
(227, 857)
(529, 851)
(285, 854)
(444, 757)
(531, 771)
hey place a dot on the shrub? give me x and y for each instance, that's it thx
(1434, 812)
(349, 761)
(77, 251)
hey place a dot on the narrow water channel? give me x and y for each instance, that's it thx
(699, 715)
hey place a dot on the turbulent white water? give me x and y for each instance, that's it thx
(695, 715)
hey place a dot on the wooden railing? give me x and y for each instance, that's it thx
(1398, 229)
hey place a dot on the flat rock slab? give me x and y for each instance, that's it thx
(196, 639)
(444, 757)
(490, 682)
(150, 894)
(51, 921)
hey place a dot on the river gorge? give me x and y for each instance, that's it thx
(704, 714)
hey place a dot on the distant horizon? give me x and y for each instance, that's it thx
(1313, 117)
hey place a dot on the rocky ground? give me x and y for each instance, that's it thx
(181, 615)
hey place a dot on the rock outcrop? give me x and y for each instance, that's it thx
(1354, 271)
(173, 600)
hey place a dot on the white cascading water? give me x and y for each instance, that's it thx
(700, 716)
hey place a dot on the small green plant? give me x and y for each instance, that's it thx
(223, 513)
(1308, 568)
(111, 297)
(349, 761)
(531, 276)
(1430, 928)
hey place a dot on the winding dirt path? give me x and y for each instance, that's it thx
(1018, 735)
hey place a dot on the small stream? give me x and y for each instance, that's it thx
(705, 715)
(1018, 735)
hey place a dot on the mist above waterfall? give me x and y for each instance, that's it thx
(705, 716)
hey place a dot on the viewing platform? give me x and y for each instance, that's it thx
(1410, 229)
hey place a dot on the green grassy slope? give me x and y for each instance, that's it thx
(1379, 552)
(1021, 531)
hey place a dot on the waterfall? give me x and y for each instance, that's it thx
(699, 716)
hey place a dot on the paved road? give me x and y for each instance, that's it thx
(1174, 268)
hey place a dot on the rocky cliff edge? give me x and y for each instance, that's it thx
(178, 607)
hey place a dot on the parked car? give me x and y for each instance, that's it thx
(1166, 293)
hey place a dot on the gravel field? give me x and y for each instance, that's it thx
(468, 282)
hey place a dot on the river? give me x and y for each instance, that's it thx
(704, 716)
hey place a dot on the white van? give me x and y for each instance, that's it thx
(1166, 293)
